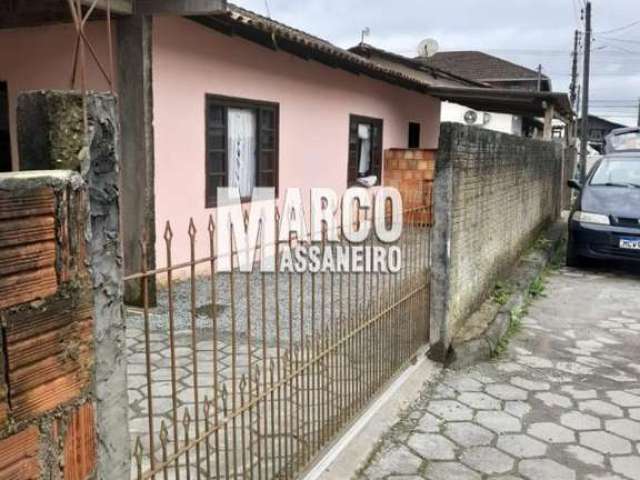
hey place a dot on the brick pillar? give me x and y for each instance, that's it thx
(52, 133)
(46, 307)
(411, 171)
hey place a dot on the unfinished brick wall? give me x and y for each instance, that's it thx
(411, 171)
(493, 194)
(46, 322)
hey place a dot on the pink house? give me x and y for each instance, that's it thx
(222, 96)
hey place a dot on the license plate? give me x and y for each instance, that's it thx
(630, 243)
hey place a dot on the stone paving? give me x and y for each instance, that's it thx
(562, 404)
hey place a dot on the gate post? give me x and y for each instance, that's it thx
(51, 133)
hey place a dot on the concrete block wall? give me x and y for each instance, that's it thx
(493, 193)
(47, 427)
(411, 171)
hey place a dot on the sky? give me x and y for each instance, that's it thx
(528, 32)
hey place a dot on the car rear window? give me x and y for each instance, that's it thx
(618, 172)
(624, 141)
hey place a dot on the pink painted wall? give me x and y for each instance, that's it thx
(190, 60)
(40, 58)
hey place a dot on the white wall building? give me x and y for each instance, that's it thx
(499, 122)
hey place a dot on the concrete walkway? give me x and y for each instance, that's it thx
(562, 404)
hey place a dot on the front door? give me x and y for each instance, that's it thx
(5, 140)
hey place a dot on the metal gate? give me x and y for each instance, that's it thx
(251, 375)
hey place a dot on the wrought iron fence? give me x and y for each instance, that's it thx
(251, 375)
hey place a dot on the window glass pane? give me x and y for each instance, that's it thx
(241, 131)
(364, 135)
(414, 135)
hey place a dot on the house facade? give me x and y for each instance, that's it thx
(221, 96)
(230, 112)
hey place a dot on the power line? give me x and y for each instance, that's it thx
(621, 40)
(619, 29)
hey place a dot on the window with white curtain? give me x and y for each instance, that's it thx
(364, 160)
(241, 144)
(365, 150)
(241, 155)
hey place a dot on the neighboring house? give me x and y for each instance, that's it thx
(480, 69)
(485, 68)
(225, 97)
(599, 128)
(498, 73)
(451, 112)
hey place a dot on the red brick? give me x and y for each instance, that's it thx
(30, 257)
(49, 351)
(21, 231)
(27, 286)
(80, 444)
(4, 407)
(20, 203)
(49, 396)
(19, 455)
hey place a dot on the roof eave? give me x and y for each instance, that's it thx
(280, 37)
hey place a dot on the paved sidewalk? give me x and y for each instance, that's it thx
(562, 404)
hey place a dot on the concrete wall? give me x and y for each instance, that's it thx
(39, 58)
(493, 193)
(498, 122)
(191, 60)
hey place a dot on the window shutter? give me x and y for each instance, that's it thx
(267, 171)
(216, 145)
(354, 143)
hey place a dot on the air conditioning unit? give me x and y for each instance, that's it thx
(471, 117)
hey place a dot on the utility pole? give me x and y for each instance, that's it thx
(585, 94)
(574, 92)
(539, 78)
(639, 113)
(573, 88)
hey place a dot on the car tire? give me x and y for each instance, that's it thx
(573, 260)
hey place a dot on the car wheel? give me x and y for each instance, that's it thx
(573, 260)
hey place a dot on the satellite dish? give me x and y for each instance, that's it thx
(470, 117)
(428, 47)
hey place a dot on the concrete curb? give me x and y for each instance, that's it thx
(480, 348)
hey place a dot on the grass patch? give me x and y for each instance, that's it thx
(559, 258)
(502, 292)
(515, 326)
(541, 243)
(537, 287)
